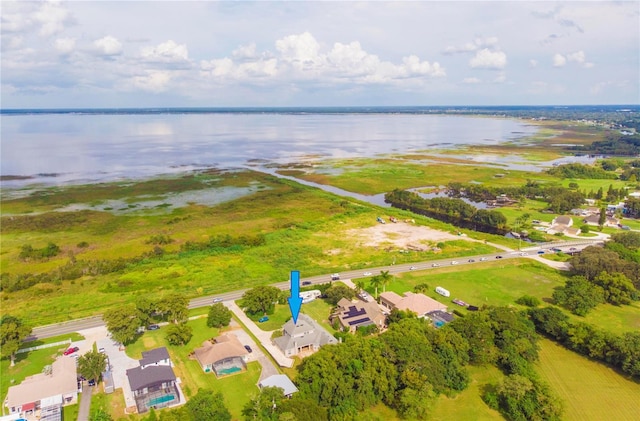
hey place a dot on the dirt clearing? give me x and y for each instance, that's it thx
(401, 235)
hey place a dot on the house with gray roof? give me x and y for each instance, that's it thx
(281, 381)
(305, 335)
(153, 382)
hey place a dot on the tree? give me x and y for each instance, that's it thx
(385, 279)
(618, 289)
(207, 405)
(522, 398)
(145, 308)
(579, 295)
(421, 288)
(261, 299)
(359, 285)
(179, 334)
(12, 333)
(376, 282)
(92, 364)
(219, 316)
(175, 306)
(602, 218)
(396, 315)
(337, 292)
(123, 323)
(264, 407)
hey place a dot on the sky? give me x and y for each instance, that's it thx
(105, 54)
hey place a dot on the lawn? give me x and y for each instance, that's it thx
(491, 282)
(237, 389)
(590, 390)
(32, 362)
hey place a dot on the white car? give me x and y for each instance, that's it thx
(412, 268)
(482, 259)
(435, 265)
(454, 263)
(366, 274)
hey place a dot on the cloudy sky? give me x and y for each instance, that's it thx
(303, 53)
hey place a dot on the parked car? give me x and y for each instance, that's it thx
(92, 382)
(101, 350)
(263, 319)
(71, 350)
(153, 327)
(248, 348)
(459, 302)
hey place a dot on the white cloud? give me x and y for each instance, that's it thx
(487, 59)
(152, 82)
(108, 46)
(533, 63)
(64, 45)
(52, 17)
(301, 58)
(578, 57)
(559, 60)
(471, 80)
(167, 52)
(470, 47)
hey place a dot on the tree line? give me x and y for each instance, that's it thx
(452, 210)
(411, 363)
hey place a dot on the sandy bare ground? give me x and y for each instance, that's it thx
(401, 235)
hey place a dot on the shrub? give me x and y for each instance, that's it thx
(529, 301)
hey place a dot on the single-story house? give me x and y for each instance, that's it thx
(225, 356)
(153, 382)
(562, 224)
(355, 314)
(305, 335)
(281, 381)
(417, 303)
(45, 393)
(595, 220)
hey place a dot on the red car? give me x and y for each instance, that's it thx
(71, 350)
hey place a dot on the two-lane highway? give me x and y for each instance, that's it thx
(531, 252)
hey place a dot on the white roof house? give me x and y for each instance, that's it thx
(281, 381)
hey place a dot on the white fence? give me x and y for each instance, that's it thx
(33, 348)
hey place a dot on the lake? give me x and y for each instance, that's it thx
(85, 147)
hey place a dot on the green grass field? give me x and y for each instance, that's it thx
(590, 390)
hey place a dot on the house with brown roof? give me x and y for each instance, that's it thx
(417, 303)
(43, 395)
(226, 355)
(153, 382)
(355, 314)
(563, 224)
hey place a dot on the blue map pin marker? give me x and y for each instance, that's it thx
(295, 301)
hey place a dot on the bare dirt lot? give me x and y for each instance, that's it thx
(401, 235)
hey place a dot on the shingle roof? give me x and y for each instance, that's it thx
(226, 346)
(144, 377)
(418, 303)
(62, 380)
(154, 356)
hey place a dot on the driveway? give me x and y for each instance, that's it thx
(120, 363)
(85, 403)
(263, 337)
(268, 368)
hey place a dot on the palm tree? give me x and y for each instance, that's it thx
(375, 282)
(359, 285)
(385, 279)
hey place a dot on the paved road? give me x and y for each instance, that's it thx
(85, 403)
(96, 321)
